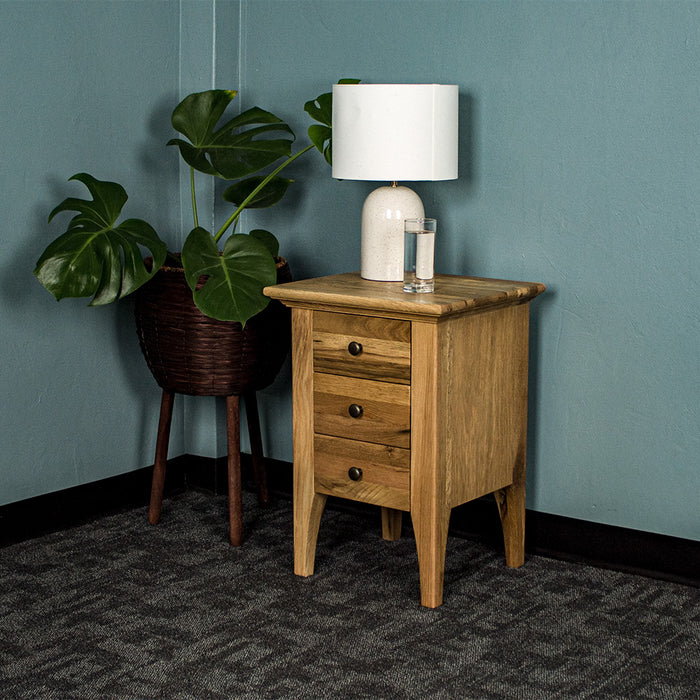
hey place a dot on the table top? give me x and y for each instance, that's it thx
(453, 294)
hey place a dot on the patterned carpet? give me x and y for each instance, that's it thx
(121, 609)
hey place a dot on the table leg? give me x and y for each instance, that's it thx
(431, 543)
(430, 509)
(307, 519)
(308, 505)
(391, 524)
(511, 508)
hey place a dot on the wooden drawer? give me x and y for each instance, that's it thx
(385, 479)
(384, 346)
(385, 409)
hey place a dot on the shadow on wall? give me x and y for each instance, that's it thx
(466, 141)
(18, 286)
(535, 388)
(161, 163)
(445, 200)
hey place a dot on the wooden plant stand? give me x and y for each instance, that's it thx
(235, 506)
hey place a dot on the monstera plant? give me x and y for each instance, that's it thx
(100, 257)
(204, 326)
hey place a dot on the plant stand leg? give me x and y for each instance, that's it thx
(235, 504)
(256, 448)
(158, 483)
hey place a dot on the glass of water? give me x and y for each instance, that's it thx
(419, 255)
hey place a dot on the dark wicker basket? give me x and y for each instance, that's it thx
(190, 353)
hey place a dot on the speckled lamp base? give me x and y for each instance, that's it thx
(383, 215)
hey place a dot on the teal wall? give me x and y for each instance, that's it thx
(580, 168)
(87, 86)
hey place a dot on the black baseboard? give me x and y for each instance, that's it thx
(59, 510)
(78, 505)
(622, 549)
(606, 546)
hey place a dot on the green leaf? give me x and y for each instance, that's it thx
(321, 138)
(196, 116)
(234, 279)
(95, 257)
(230, 150)
(321, 109)
(267, 239)
(273, 191)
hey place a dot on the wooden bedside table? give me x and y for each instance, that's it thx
(412, 402)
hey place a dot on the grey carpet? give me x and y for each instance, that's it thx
(121, 609)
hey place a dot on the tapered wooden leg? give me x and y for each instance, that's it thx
(431, 542)
(235, 504)
(511, 508)
(256, 448)
(307, 519)
(308, 505)
(391, 524)
(158, 483)
(430, 509)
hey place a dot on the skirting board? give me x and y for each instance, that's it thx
(607, 546)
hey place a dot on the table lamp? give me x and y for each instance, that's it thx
(393, 133)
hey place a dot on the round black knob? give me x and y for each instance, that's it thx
(355, 473)
(355, 410)
(355, 348)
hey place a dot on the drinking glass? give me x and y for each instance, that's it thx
(419, 254)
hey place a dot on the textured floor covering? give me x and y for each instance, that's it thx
(121, 609)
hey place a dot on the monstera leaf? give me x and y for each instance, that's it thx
(95, 257)
(229, 151)
(269, 194)
(321, 109)
(234, 278)
(269, 240)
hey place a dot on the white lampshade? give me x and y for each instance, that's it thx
(393, 133)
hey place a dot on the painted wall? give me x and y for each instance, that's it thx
(580, 160)
(580, 168)
(84, 86)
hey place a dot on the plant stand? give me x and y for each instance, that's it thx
(189, 353)
(233, 433)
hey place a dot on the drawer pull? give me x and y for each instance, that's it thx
(355, 473)
(355, 348)
(355, 410)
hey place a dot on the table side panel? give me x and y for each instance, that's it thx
(484, 359)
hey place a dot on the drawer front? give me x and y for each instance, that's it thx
(362, 346)
(384, 479)
(362, 409)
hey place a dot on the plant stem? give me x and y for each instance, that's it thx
(194, 199)
(250, 197)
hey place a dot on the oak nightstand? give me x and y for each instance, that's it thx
(412, 402)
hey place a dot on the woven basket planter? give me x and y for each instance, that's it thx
(190, 353)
